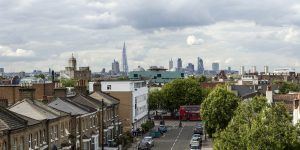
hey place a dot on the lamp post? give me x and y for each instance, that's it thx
(102, 125)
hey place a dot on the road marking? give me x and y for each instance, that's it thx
(177, 138)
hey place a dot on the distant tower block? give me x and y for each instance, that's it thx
(242, 70)
(170, 64)
(266, 69)
(253, 69)
(124, 60)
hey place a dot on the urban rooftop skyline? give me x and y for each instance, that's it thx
(233, 33)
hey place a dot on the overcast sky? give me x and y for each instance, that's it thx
(42, 34)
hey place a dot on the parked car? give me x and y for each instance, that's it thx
(198, 130)
(144, 145)
(198, 136)
(162, 128)
(149, 139)
(195, 146)
(194, 140)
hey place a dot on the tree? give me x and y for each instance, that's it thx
(218, 108)
(156, 99)
(258, 125)
(286, 87)
(68, 82)
(181, 92)
(42, 76)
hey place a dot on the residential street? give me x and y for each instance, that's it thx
(176, 138)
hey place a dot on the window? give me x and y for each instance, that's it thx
(41, 137)
(62, 127)
(21, 144)
(36, 139)
(14, 147)
(56, 132)
(108, 87)
(30, 141)
(159, 75)
(135, 75)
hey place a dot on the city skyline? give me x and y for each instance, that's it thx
(238, 37)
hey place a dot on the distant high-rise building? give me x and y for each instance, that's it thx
(179, 64)
(170, 64)
(190, 68)
(215, 66)
(229, 69)
(103, 70)
(115, 67)
(253, 69)
(266, 69)
(200, 68)
(124, 60)
(242, 70)
(1, 71)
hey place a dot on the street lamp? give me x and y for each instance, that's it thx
(102, 125)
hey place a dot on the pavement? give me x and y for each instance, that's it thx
(176, 138)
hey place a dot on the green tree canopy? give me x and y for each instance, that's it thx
(176, 93)
(42, 76)
(218, 108)
(68, 82)
(257, 125)
(182, 92)
(286, 87)
(156, 99)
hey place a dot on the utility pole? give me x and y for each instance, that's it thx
(102, 125)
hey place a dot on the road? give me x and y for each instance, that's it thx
(176, 138)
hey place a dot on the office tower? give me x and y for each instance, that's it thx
(266, 69)
(115, 67)
(253, 70)
(124, 60)
(103, 70)
(200, 68)
(242, 70)
(170, 64)
(1, 71)
(215, 66)
(190, 68)
(229, 69)
(179, 64)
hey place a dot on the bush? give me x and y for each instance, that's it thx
(126, 139)
(147, 125)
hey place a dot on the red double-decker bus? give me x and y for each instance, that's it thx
(190, 112)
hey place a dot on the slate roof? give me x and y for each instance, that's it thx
(67, 106)
(86, 101)
(108, 100)
(246, 90)
(9, 120)
(36, 110)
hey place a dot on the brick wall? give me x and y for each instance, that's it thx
(125, 108)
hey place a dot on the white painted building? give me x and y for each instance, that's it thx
(248, 80)
(133, 96)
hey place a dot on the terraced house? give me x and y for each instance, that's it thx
(55, 132)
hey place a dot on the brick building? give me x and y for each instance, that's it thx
(15, 93)
(58, 122)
